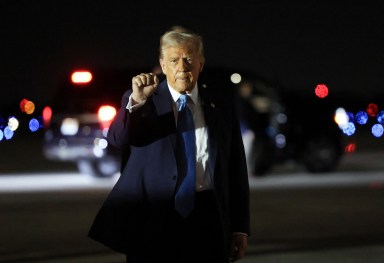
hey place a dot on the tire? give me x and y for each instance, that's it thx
(100, 168)
(320, 155)
(261, 159)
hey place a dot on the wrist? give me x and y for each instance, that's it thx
(136, 99)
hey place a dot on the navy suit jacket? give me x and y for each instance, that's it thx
(137, 206)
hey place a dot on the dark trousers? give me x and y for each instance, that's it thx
(197, 238)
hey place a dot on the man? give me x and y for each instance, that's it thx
(140, 217)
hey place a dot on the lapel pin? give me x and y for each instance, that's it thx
(212, 105)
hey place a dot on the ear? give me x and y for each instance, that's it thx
(162, 64)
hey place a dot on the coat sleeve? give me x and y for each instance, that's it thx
(131, 128)
(239, 184)
(118, 132)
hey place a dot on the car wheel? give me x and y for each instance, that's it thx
(99, 168)
(320, 155)
(260, 158)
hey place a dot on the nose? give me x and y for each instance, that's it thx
(183, 64)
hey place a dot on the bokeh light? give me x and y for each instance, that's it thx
(341, 117)
(380, 117)
(372, 109)
(69, 126)
(34, 125)
(22, 104)
(8, 133)
(27, 106)
(349, 129)
(280, 140)
(47, 115)
(350, 148)
(361, 117)
(1, 135)
(236, 78)
(321, 91)
(13, 123)
(377, 130)
(81, 77)
(106, 113)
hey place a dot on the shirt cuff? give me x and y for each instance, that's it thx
(132, 107)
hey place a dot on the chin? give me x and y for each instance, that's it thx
(184, 87)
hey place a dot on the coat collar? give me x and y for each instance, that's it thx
(164, 101)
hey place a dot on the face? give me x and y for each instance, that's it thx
(182, 66)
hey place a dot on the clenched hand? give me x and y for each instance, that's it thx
(143, 86)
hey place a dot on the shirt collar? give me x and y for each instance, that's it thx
(193, 95)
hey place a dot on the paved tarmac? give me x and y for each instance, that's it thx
(267, 254)
(301, 251)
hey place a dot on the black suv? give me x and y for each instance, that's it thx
(82, 111)
(275, 127)
(281, 126)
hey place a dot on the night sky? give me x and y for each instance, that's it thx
(296, 44)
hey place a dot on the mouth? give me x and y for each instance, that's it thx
(183, 78)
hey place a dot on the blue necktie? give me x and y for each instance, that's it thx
(186, 155)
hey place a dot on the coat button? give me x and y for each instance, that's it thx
(174, 177)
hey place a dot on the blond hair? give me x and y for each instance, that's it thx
(178, 36)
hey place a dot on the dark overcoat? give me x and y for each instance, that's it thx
(137, 206)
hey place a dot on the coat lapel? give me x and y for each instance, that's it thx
(162, 99)
(210, 116)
